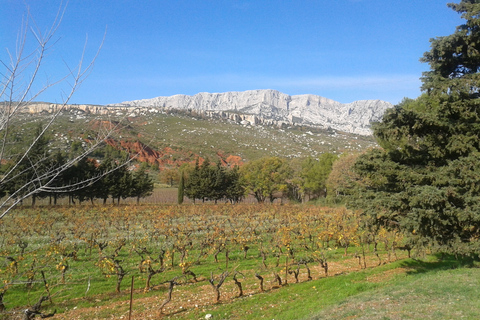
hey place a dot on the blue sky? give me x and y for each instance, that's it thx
(345, 50)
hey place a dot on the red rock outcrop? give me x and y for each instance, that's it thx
(168, 157)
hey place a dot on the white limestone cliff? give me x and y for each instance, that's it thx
(253, 107)
(274, 107)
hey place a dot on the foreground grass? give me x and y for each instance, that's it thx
(407, 289)
(425, 291)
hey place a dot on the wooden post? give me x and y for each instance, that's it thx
(131, 300)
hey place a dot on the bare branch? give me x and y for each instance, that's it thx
(19, 94)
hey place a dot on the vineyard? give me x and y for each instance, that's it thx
(183, 257)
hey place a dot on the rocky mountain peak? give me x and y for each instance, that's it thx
(271, 107)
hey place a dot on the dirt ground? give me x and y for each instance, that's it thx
(201, 296)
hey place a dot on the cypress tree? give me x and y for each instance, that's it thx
(181, 189)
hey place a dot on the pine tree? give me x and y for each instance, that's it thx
(84, 171)
(142, 184)
(425, 181)
(192, 183)
(235, 190)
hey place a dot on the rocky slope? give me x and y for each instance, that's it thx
(271, 107)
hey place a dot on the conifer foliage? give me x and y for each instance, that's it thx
(214, 183)
(83, 181)
(425, 179)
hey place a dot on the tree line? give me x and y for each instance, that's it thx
(213, 182)
(267, 179)
(87, 179)
(33, 175)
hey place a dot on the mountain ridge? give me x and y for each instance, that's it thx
(271, 107)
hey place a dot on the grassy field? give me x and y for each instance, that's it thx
(405, 289)
(75, 256)
(424, 291)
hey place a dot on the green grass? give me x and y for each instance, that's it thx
(434, 293)
(407, 289)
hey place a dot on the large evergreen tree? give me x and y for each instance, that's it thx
(192, 187)
(121, 183)
(425, 181)
(213, 182)
(107, 181)
(207, 181)
(60, 180)
(83, 171)
(142, 183)
(235, 189)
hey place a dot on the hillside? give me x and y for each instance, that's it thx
(173, 138)
(234, 126)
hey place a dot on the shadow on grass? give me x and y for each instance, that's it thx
(437, 263)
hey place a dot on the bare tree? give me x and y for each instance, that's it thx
(19, 87)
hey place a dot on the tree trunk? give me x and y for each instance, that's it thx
(30, 314)
(169, 295)
(2, 305)
(259, 277)
(119, 281)
(217, 291)
(309, 275)
(239, 285)
(278, 279)
(147, 283)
